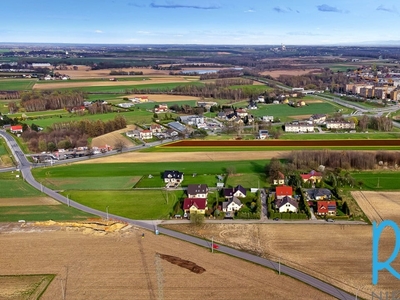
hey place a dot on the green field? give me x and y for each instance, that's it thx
(105, 80)
(12, 187)
(138, 204)
(251, 88)
(16, 84)
(378, 181)
(91, 183)
(121, 89)
(144, 169)
(41, 213)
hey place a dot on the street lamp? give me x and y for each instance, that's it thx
(212, 244)
(107, 212)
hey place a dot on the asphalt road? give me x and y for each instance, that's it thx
(25, 168)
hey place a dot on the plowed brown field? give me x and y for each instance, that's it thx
(124, 265)
(287, 143)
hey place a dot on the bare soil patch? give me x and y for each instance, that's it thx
(165, 97)
(28, 201)
(191, 266)
(113, 138)
(338, 254)
(85, 72)
(188, 156)
(123, 265)
(294, 72)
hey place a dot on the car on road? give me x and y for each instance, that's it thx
(276, 219)
(330, 220)
(215, 246)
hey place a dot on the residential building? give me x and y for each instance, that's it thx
(318, 194)
(233, 204)
(263, 134)
(173, 178)
(16, 129)
(326, 208)
(161, 108)
(283, 191)
(195, 206)
(197, 191)
(280, 179)
(268, 118)
(299, 127)
(318, 119)
(177, 126)
(286, 204)
(193, 120)
(239, 192)
(146, 134)
(313, 177)
(340, 125)
(133, 133)
(155, 128)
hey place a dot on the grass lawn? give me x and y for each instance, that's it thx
(16, 187)
(251, 88)
(106, 80)
(246, 180)
(41, 213)
(137, 204)
(16, 84)
(91, 183)
(378, 181)
(4, 105)
(144, 169)
(132, 117)
(283, 111)
(156, 181)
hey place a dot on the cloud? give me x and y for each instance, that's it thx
(327, 8)
(98, 31)
(392, 9)
(279, 9)
(249, 11)
(171, 5)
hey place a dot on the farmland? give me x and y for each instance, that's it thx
(378, 181)
(16, 85)
(122, 265)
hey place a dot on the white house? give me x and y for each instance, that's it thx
(268, 118)
(146, 134)
(263, 134)
(287, 204)
(197, 191)
(299, 127)
(340, 125)
(234, 204)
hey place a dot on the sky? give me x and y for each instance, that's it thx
(232, 22)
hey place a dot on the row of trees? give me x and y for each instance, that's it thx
(70, 134)
(312, 159)
(46, 100)
(377, 123)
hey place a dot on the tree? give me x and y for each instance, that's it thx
(197, 219)
(231, 170)
(273, 168)
(120, 145)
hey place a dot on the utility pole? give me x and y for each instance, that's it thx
(68, 200)
(212, 244)
(107, 212)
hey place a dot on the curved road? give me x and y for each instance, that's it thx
(25, 168)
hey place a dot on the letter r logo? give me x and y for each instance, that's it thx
(377, 265)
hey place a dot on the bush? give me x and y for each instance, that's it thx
(197, 219)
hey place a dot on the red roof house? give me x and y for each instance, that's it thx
(16, 128)
(326, 208)
(283, 191)
(195, 205)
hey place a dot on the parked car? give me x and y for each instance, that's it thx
(276, 219)
(330, 220)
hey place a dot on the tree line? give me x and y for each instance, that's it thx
(69, 134)
(51, 99)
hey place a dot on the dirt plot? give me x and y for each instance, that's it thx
(277, 73)
(85, 72)
(28, 201)
(337, 254)
(124, 265)
(286, 143)
(113, 138)
(187, 156)
(379, 206)
(71, 84)
(165, 97)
